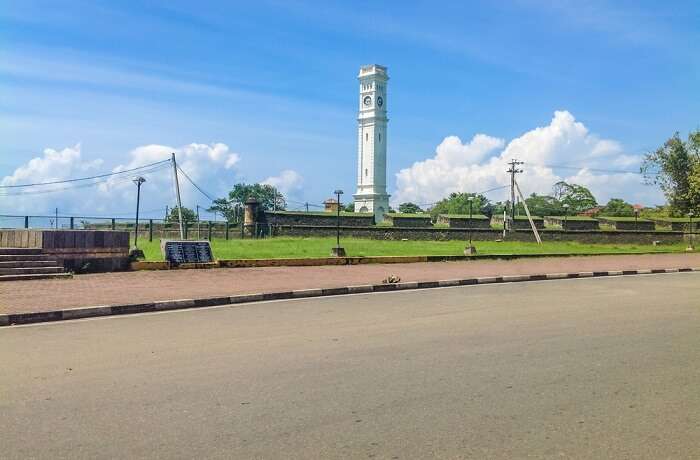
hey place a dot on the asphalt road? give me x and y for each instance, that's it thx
(590, 368)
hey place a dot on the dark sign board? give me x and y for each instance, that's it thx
(186, 252)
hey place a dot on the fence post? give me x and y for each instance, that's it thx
(209, 230)
(26, 221)
(226, 230)
(72, 223)
(150, 229)
(114, 223)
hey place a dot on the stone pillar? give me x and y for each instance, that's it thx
(250, 217)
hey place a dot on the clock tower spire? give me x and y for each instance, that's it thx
(372, 121)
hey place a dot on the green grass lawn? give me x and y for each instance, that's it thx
(284, 247)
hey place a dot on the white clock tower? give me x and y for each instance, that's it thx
(371, 193)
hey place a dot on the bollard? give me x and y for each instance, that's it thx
(114, 223)
(150, 229)
(72, 222)
(226, 229)
(26, 221)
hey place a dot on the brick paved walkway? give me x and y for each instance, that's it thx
(134, 287)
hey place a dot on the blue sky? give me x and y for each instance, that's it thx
(275, 82)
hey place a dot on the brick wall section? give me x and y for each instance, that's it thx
(641, 225)
(677, 226)
(315, 219)
(411, 222)
(464, 222)
(520, 223)
(572, 224)
(443, 234)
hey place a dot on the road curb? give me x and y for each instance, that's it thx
(182, 304)
(362, 260)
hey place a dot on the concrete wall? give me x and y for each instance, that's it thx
(20, 238)
(77, 250)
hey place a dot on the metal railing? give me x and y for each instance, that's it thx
(148, 228)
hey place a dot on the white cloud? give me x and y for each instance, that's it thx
(480, 164)
(210, 166)
(288, 181)
(54, 165)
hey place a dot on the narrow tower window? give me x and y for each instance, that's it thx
(366, 136)
(380, 137)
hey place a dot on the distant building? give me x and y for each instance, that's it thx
(372, 122)
(591, 211)
(330, 205)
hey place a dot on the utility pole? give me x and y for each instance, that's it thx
(513, 170)
(177, 194)
(198, 222)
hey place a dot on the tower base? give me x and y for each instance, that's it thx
(377, 204)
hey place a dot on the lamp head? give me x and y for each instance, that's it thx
(138, 180)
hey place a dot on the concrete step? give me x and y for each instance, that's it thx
(19, 251)
(17, 257)
(30, 271)
(27, 263)
(41, 276)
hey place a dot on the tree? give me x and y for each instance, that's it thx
(458, 203)
(618, 207)
(350, 207)
(675, 168)
(267, 195)
(409, 208)
(188, 215)
(542, 205)
(578, 197)
(230, 210)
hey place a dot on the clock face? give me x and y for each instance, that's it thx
(380, 101)
(367, 100)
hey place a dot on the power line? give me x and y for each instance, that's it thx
(105, 179)
(475, 193)
(196, 186)
(600, 170)
(86, 178)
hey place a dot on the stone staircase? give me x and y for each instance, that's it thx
(29, 264)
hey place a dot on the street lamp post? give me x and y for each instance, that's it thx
(136, 252)
(338, 251)
(470, 250)
(566, 214)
